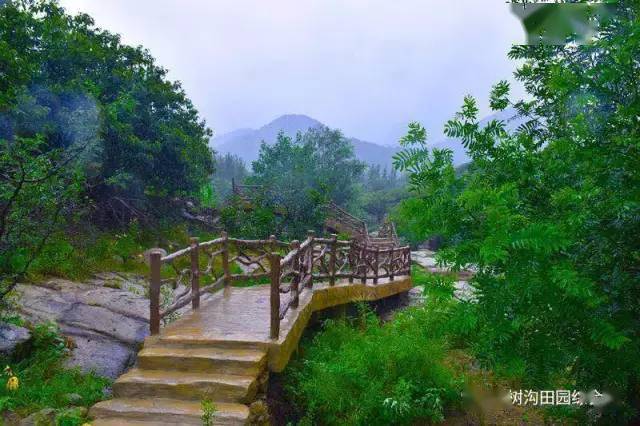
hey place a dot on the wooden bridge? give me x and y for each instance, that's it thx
(223, 350)
(341, 221)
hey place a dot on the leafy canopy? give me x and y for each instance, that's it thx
(549, 214)
(89, 128)
(295, 178)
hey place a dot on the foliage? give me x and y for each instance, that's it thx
(229, 167)
(243, 221)
(365, 373)
(89, 127)
(382, 190)
(87, 251)
(207, 196)
(37, 189)
(208, 412)
(298, 177)
(549, 216)
(45, 383)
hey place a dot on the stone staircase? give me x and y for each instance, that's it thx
(222, 352)
(171, 379)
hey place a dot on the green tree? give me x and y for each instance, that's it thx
(382, 190)
(549, 214)
(228, 167)
(298, 177)
(147, 141)
(88, 127)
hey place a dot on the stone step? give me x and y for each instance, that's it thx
(248, 362)
(119, 421)
(173, 384)
(125, 411)
(122, 421)
(187, 340)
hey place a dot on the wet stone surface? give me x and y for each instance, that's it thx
(12, 338)
(426, 259)
(105, 320)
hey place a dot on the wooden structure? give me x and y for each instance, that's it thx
(291, 268)
(341, 221)
(222, 349)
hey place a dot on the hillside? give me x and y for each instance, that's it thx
(245, 143)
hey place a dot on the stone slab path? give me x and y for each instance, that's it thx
(221, 352)
(427, 260)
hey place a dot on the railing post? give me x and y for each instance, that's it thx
(391, 264)
(332, 259)
(274, 260)
(154, 291)
(295, 281)
(225, 258)
(195, 273)
(365, 264)
(272, 243)
(376, 265)
(353, 263)
(311, 235)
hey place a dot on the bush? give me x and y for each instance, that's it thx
(548, 214)
(364, 373)
(45, 383)
(88, 251)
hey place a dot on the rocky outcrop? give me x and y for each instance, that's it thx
(462, 290)
(426, 259)
(12, 338)
(106, 318)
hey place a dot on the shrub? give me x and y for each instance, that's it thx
(363, 373)
(46, 383)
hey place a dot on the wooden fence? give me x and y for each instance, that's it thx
(339, 220)
(291, 269)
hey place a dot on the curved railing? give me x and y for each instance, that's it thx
(388, 231)
(340, 220)
(290, 269)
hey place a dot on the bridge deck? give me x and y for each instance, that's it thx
(240, 315)
(221, 352)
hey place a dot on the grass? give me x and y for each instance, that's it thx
(361, 372)
(416, 369)
(83, 253)
(44, 382)
(64, 257)
(208, 412)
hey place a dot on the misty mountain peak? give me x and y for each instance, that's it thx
(292, 122)
(246, 144)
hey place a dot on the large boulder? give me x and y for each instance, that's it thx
(427, 259)
(105, 318)
(12, 339)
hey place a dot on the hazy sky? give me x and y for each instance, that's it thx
(367, 67)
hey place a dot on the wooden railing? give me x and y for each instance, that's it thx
(340, 220)
(388, 231)
(245, 192)
(291, 269)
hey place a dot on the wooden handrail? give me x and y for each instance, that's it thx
(274, 329)
(292, 273)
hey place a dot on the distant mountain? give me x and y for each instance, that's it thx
(245, 143)
(459, 154)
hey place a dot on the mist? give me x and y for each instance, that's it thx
(366, 67)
